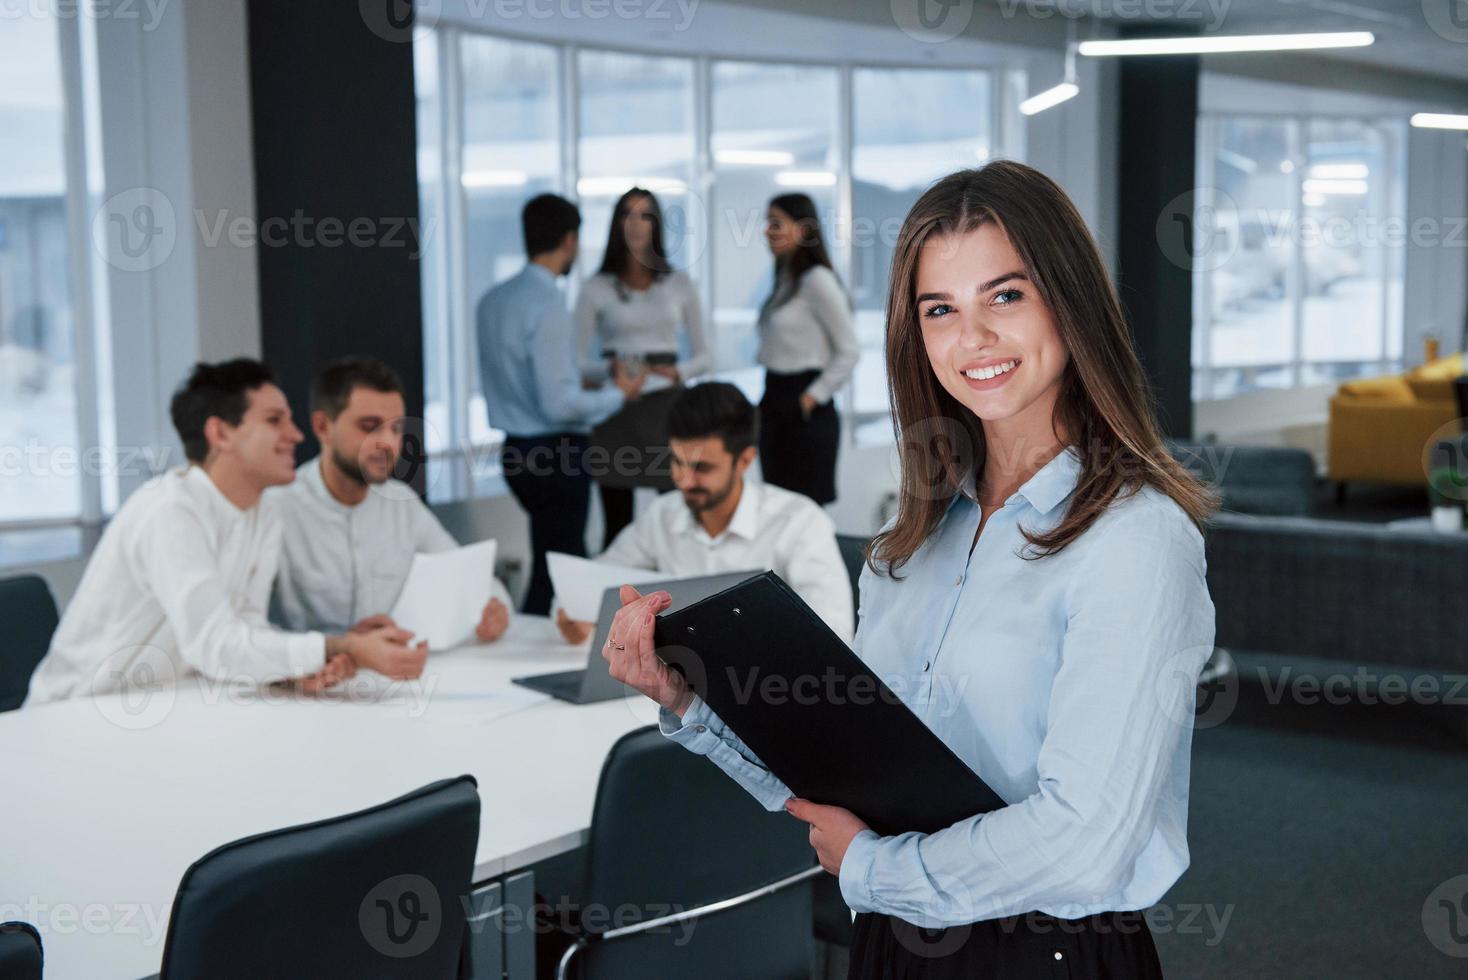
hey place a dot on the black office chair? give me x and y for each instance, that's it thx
(854, 554)
(21, 956)
(687, 876)
(29, 615)
(378, 893)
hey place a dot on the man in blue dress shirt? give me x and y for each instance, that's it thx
(532, 388)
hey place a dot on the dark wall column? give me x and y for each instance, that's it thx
(1159, 115)
(336, 184)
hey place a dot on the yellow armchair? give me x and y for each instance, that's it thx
(1380, 426)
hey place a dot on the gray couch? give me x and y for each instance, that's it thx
(1286, 583)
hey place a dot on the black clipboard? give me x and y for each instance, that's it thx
(814, 713)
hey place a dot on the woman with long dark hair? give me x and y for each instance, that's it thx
(635, 311)
(808, 348)
(1039, 600)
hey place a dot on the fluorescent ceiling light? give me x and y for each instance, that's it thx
(494, 178)
(1315, 185)
(1439, 120)
(756, 158)
(1049, 98)
(805, 178)
(1224, 45)
(617, 186)
(1238, 161)
(1340, 171)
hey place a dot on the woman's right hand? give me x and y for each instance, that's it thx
(632, 655)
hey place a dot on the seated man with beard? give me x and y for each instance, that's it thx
(351, 531)
(178, 585)
(717, 521)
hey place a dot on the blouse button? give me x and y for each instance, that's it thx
(926, 665)
(958, 581)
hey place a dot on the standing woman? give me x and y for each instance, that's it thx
(808, 348)
(1039, 601)
(636, 309)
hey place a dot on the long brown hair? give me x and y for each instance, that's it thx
(810, 252)
(1104, 404)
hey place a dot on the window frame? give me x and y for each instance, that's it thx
(78, 111)
(1395, 168)
(457, 480)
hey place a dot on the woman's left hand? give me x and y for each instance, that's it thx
(832, 829)
(808, 404)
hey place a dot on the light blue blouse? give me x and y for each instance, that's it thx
(1067, 683)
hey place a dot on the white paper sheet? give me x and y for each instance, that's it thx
(580, 582)
(445, 594)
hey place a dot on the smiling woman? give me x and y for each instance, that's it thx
(1027, 433)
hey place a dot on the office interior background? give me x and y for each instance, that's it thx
(187, 180)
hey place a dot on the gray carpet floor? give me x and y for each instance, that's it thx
(1318, 832)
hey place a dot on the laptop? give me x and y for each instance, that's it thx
(595, 682)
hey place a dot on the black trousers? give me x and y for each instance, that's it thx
(795, 452)
(617, 508)
(1106, 946)
(547, 475)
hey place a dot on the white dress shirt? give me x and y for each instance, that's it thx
(810, 331)
(178, 585)
(1067, 683)
(341, 563)
(648, 321)
(772, 528)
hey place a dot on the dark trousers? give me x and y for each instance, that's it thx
(796, 452)
(616, 507)
(1106, 946)
(547, 475)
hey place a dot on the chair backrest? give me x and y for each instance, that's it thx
(29, 615)
(378, 893)
(671, 832)
(854, 554)
(1275, 481)
(21, 957)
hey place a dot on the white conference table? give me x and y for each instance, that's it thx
(111, 799)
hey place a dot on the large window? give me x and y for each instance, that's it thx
(636, 129)
(41, 468)
(911, 128)
(760, 152)
(501, 119)
(1299, 252)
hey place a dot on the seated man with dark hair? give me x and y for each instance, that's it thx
(351, 530)
(180, 581)
(717, 521)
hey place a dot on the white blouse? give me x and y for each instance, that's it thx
(811, 331)
(640, 322)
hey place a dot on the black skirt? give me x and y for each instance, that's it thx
(1106, 946)
(796, 452)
